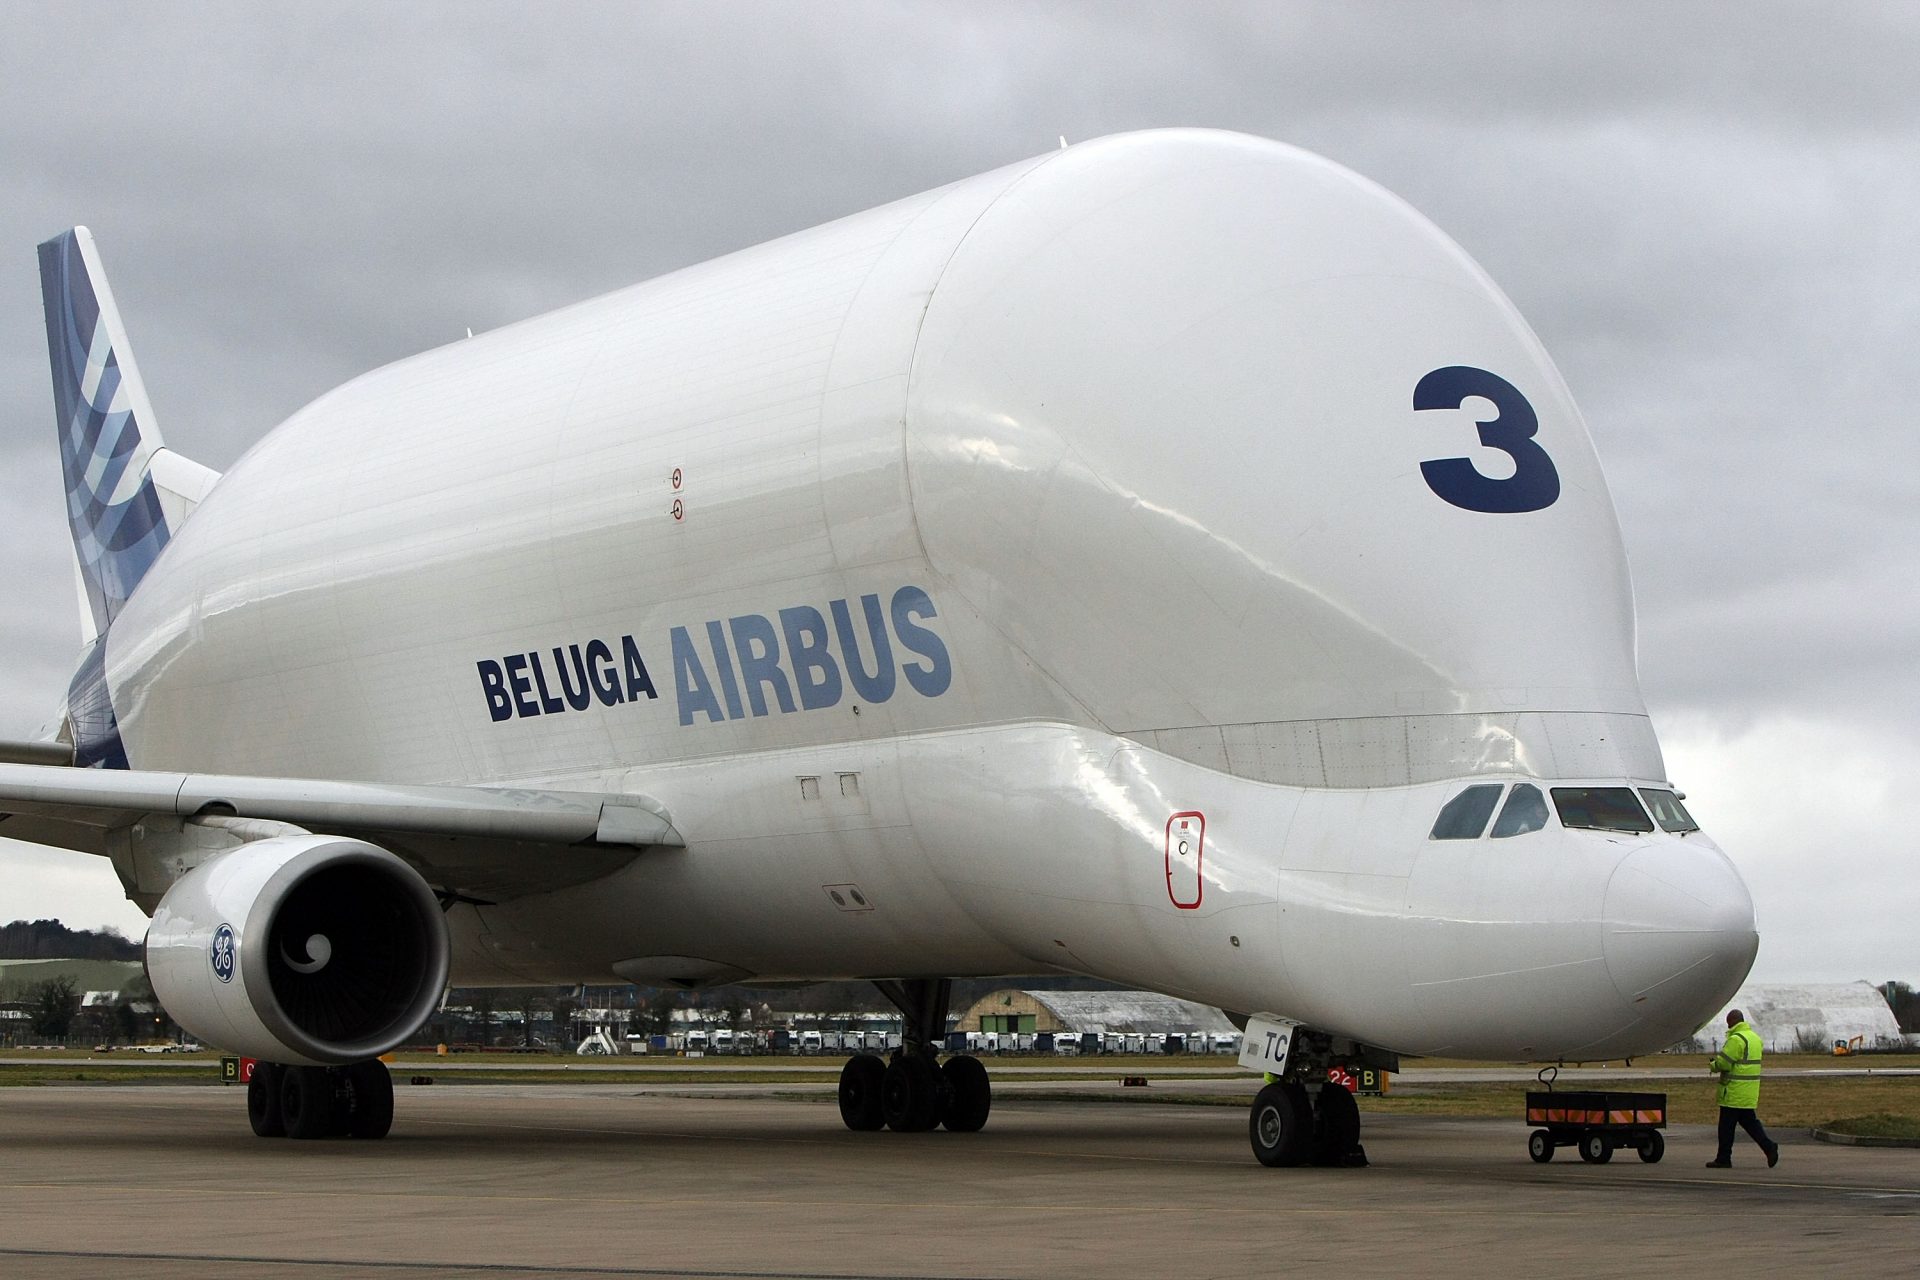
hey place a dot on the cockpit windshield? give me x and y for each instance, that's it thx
(1601, 809)
(1526, 810)
(1668, 811)
(1465, 816)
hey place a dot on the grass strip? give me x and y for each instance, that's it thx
(1880, 1124)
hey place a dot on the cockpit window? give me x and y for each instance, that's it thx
(1526, 810)
(1600, 808)
(1465, 816)
(1668, 811)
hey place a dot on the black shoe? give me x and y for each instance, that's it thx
(1719, 1164)
(1773, 1156)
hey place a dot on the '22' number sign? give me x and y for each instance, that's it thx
(1534, 484)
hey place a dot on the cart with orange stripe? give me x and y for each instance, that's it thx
(1596, 1123)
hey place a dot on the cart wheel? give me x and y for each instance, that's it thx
(1652, 1147)
(1595, 1149)
(1540, 1146)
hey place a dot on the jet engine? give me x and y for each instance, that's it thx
(310, 950)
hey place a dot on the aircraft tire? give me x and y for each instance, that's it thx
(970, 1095)
(1336, 1126)
(263, 1102)
(307, 1103)
(910, 1094)
(371, 1112)
(1280, 1125)
(860, 1082)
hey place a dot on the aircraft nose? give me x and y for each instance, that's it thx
(1680, 934)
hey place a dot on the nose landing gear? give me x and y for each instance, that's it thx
(1305, 1118)
(1294, 1124)
(915, 1092)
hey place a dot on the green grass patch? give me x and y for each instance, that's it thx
(1880, 1124)
(17, 1074)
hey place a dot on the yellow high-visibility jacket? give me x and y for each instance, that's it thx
(1738, 1063)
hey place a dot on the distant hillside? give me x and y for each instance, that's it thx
(51, 940)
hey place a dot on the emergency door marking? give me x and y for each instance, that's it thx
(1186, 845)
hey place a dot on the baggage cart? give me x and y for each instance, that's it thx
(1595, 1122)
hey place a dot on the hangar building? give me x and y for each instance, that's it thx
(1810, 1018)
(1010, 1010)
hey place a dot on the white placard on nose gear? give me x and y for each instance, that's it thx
(1267, 1042)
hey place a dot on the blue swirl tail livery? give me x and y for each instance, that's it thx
(126, 493)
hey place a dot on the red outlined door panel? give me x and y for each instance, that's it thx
(1186, 846)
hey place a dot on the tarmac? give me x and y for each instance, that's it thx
(624, 1180)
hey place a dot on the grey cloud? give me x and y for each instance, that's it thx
(1706, 211)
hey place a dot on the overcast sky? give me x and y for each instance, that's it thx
(1710, 213)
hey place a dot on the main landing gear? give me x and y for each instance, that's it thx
(320, 1102)
(914, 1091)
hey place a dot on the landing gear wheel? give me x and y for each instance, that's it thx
(971, 1095)
(1595, 1149)
(263, 1102)
(1652, 1146)
(370, 1105)
(910, 1094)
(307, 1103)
(1280, 1126)
(1336, 1129)
(860, 1082)
(1540, 1146)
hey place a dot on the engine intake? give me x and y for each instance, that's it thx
(312, 950)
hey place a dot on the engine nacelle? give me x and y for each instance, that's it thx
(312, 950)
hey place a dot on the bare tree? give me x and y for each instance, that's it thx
(55, 1005)
(659, 1012)
(1905, 1003)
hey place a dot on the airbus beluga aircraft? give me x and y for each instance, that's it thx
(1168, 559)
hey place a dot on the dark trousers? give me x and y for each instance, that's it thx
(1747, 1118)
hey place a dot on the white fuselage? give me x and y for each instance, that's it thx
(929, 565)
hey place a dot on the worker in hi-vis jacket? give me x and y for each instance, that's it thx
(1738, 1064)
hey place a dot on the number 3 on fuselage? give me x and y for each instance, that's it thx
(1534, 484)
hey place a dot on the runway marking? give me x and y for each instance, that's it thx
(1261, 1210)
(1770, 1184)
(506, 1267)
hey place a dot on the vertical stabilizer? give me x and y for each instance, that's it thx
(108, 439)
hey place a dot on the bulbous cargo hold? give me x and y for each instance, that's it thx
(1196, 420)
(1186, 432)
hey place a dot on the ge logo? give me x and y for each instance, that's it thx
(223, 953)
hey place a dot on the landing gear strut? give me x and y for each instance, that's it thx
(320, 1102)
(914, 1092)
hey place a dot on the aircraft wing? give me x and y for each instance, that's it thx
(478, 843)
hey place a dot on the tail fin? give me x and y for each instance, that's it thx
(109, 444)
